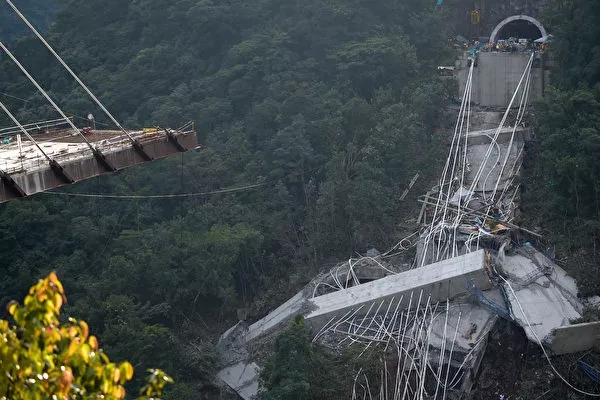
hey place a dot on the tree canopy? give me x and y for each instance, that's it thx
(41, 13)
(562, 188)
(330, 106)
(42, 358)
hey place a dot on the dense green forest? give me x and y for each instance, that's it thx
(330, 106)
(40, 13)
(561, 187)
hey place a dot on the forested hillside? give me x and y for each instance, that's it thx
(40, 13)
(562, 186)
(330, 106)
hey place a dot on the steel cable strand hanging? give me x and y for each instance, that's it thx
(517, 123)
(498, 130)
(43, 92)
(442, 349)
(456, 147)
(17, 123)
(497, 133)
(450, 356)
(419, 349)
(498, 156)
(542, 346)
(491, 201)
(455, 157)
(443, 244)
(463, 168)
(413, 330)
(514, 171)
(444, 179)
(520, 115)
(41, 38)
(158, 196)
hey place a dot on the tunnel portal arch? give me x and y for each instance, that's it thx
(517, 19)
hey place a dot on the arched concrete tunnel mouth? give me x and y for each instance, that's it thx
(519, 29)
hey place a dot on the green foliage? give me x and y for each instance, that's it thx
(39, 13)
(376, 62)
(569, 123)
(561, 185)
(40, 357)
(299, 368)
(575, 45)
(566, 188)
(302, 369)
(332, 105)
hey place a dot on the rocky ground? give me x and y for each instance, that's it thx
(517, 369)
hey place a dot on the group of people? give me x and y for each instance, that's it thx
(501, 46)
(514, 45)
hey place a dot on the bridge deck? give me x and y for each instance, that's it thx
(26, 171)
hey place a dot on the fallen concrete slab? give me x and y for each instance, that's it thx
(543, 297)
(471, 323)
(241, 377)
(443, 280)
(279, 316)
(576, 338)
(492, 168)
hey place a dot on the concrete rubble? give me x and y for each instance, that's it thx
(546, 294)
(503, 149)
(543, 297)
(241, 377)
(469, 272)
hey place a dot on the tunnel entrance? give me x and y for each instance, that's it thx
(519, 29)
(518, 26)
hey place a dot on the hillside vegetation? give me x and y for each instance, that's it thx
(331, 106)
(561, 188)
(40, 13)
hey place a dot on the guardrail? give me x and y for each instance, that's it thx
(43, 125)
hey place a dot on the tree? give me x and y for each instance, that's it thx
(301, 369)
(40, 13)
(40, 357)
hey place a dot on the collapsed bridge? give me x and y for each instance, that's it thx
(430, 320)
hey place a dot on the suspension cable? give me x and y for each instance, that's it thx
(497, 133)
(520, 115)
(46, 96)
(16, 122)
(70, 71)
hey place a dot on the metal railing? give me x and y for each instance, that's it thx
(40, 126)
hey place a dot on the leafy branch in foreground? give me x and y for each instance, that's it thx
(42, 358)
